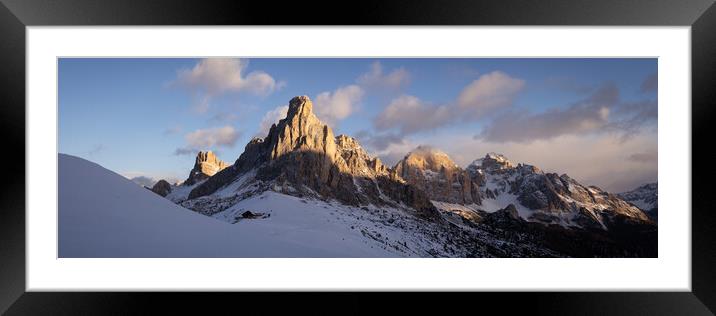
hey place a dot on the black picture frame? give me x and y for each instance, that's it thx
(15, 15)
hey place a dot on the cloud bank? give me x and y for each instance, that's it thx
(210, 138)
(601, 112)
(332, 107)
(481, 97)
(214, 76)
(144, 181)
(376, 79)
(490, 92)
(270, 118)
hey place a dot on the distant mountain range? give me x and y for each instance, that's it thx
(493, 207)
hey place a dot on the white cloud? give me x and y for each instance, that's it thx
(214, 76)
(645, 157)
(489, 92)
(182, 151)
(144, 181)
(409, 115)
(375, 78)
(600, 112)
(526, 127)
(378, 141)
(270, 118)
(394, 152)
(217, 75)
(148, 179)
(332, 107)
(210, 138)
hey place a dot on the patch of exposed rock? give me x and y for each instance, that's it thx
(205, 166)
(162, 187)
(505, 217)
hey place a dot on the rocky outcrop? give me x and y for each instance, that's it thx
(205, 166)
(301, 156)
(492, 162)
(504, 218)
(357, 159)
(162, 187)
(553, 198)
(436, 174)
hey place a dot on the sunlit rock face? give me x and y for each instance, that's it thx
(435, 173)
(205, 166)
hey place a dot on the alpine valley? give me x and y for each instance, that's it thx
(302, 191)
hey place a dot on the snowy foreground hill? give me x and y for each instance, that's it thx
(102, 214)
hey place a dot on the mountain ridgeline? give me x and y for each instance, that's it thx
(533, 213)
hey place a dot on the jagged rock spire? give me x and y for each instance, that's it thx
(206, 165)
(301, 130)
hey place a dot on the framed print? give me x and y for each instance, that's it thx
(474, 149)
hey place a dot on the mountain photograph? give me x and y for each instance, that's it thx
(357, 158)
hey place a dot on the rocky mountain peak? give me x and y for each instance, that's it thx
(426, 158)
(206, 165)
(435, 173)
(207, 157)
(162, 188)
(301, 130)
(300, 105)
(492, 161)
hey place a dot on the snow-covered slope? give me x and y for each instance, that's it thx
(102, 214)
(180, 193)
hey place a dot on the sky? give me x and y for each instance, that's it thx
(594, 119)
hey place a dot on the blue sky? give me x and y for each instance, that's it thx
(149, 116)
